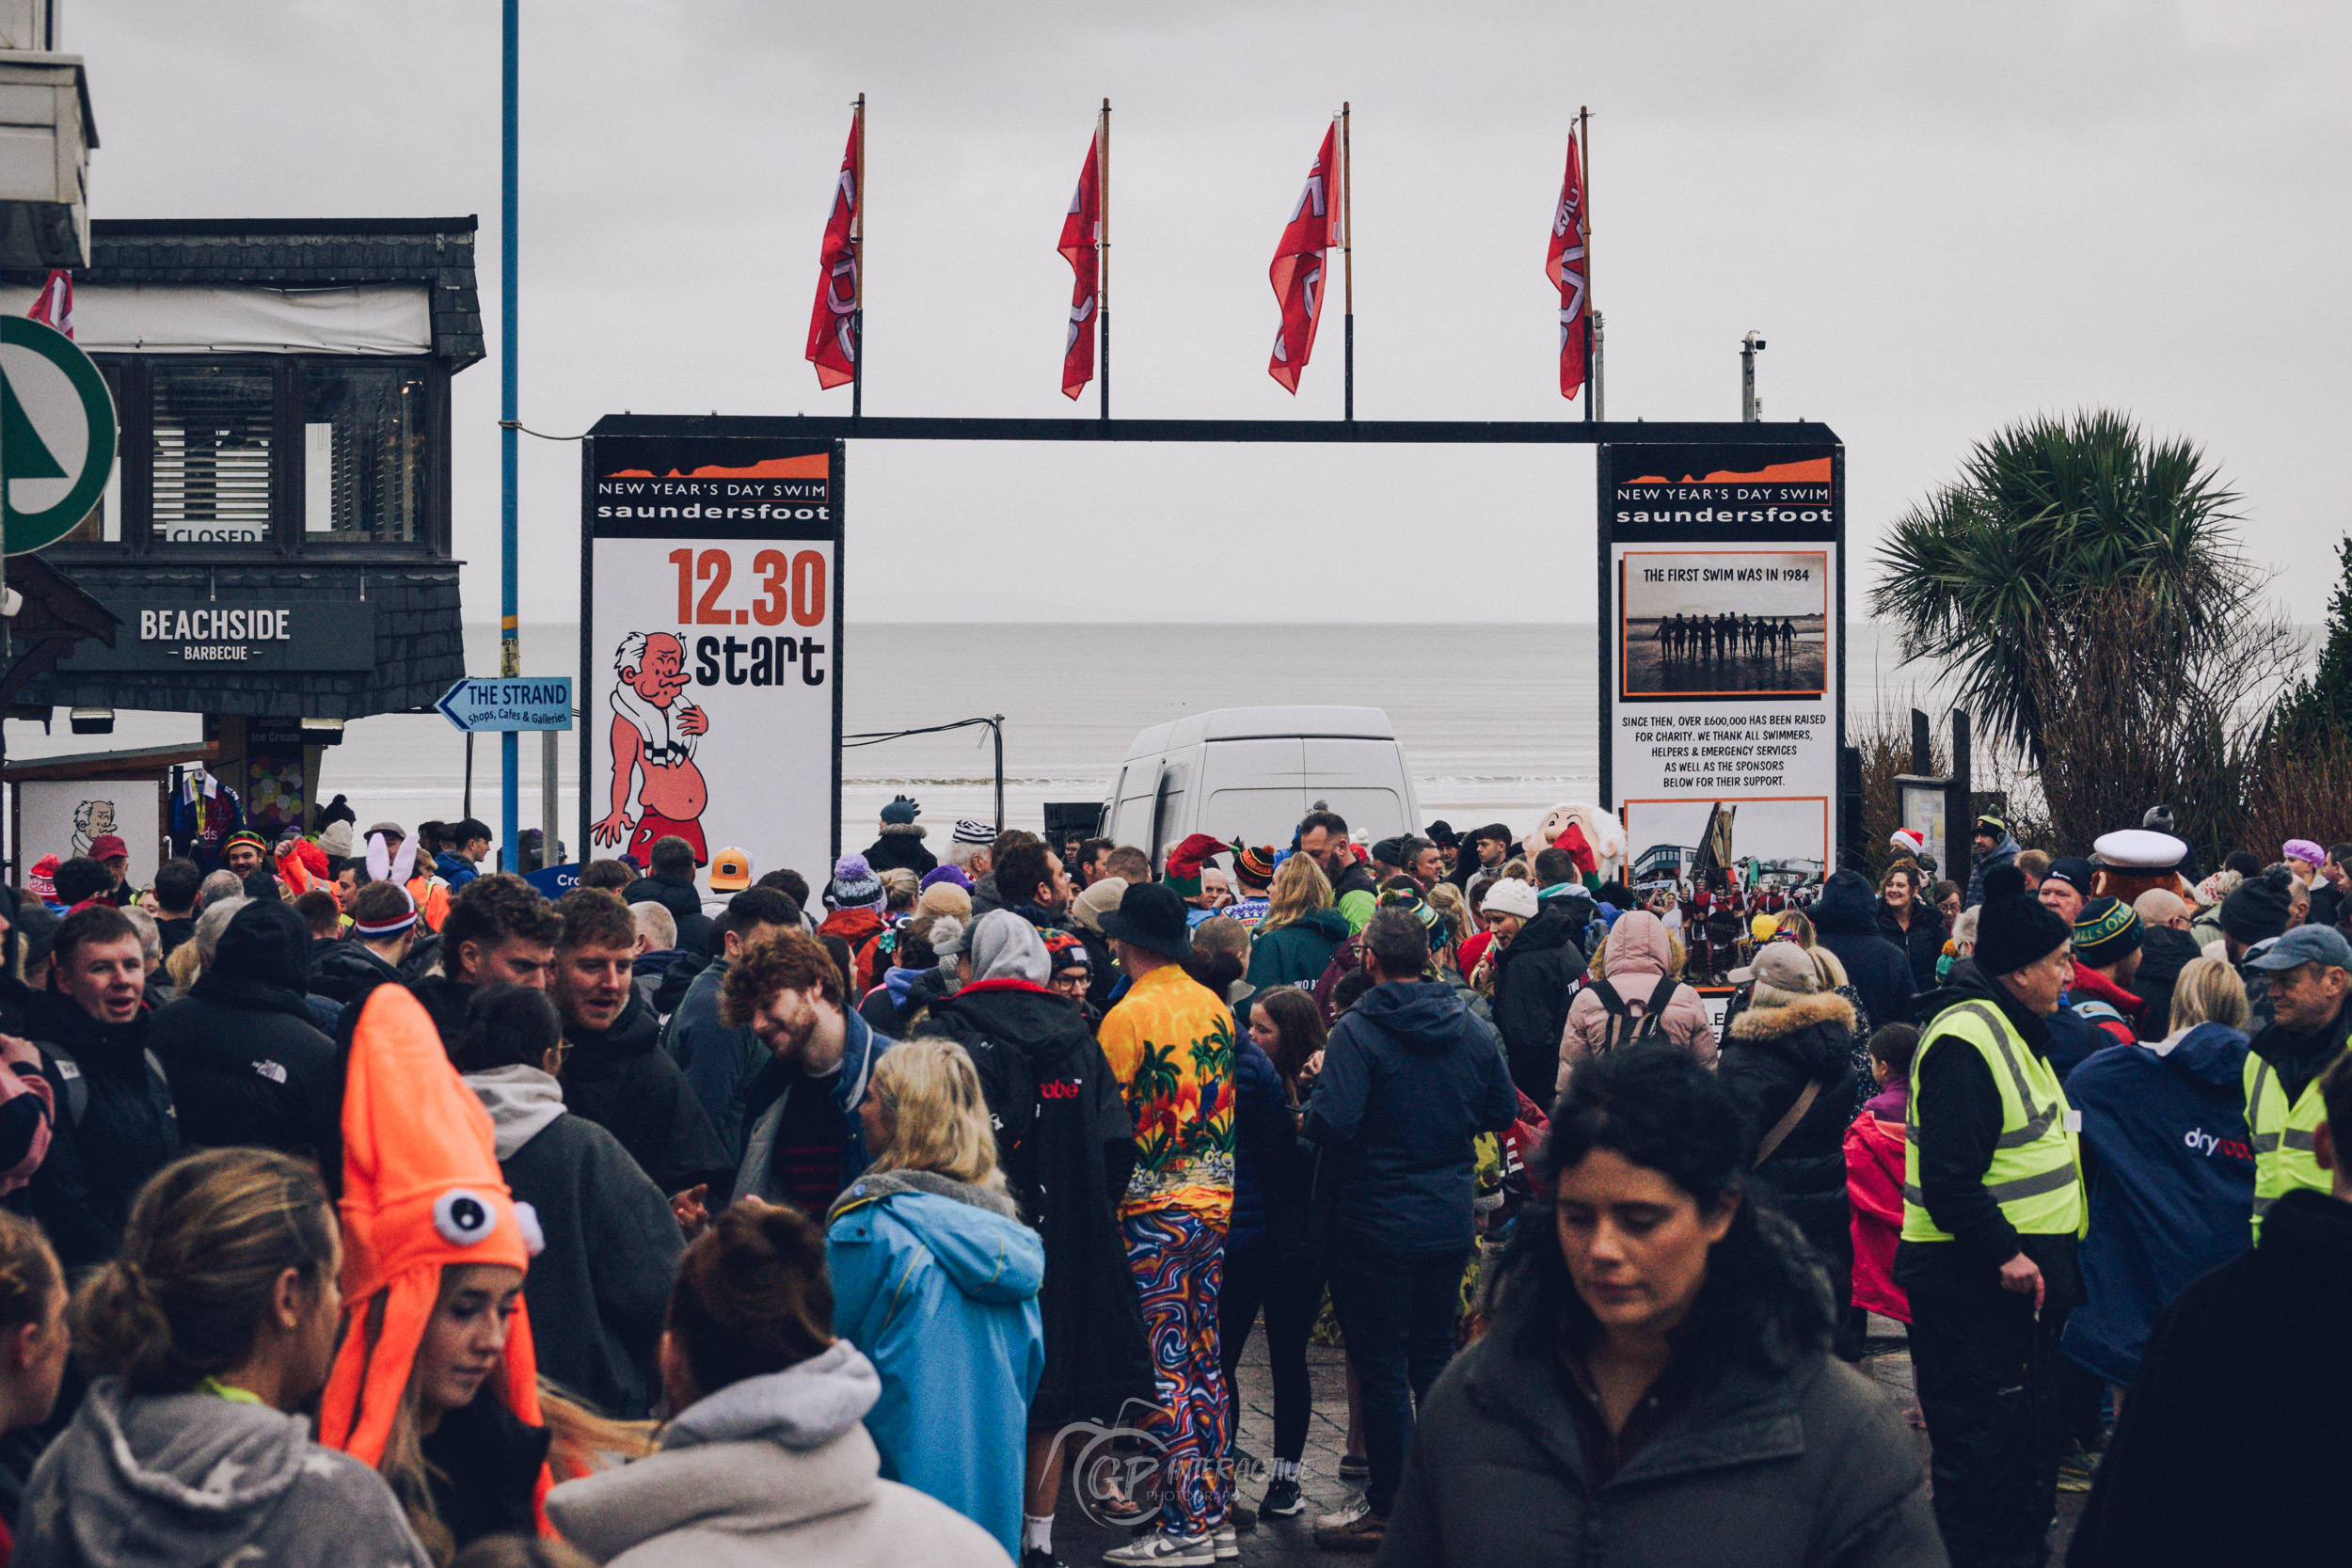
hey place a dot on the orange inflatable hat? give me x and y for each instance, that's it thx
(422, 1191)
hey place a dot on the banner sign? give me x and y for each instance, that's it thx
(710, 646)
(1723, 660)
(195, 632)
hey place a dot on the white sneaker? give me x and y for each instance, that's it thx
(1159, 1549)
(1345, 1516)
(1228, 1544)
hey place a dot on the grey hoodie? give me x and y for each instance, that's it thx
(171, 1480)
(771, 1470)
(522, 1101)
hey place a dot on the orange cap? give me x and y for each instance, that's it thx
(422, 1190)
(730, 871)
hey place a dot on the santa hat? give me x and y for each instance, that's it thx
(1184, 862)
(422, 1191)
(1908, 841)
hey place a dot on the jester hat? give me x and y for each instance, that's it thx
(422, 1191)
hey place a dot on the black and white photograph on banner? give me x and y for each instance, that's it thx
(1705, 622)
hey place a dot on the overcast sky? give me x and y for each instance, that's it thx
(1942, 218)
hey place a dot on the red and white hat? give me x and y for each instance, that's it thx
(1908, 841)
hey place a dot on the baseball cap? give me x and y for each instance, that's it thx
(730, 871)
(1783, 966)
(106, 846)
(2307, 944)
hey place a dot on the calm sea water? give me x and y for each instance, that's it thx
(1499, 723)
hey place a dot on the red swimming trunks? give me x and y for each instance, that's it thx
(653, 825)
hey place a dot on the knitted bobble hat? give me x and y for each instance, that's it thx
(855, 886)
(2015, 929)
(2104, 931)
(422, 1193)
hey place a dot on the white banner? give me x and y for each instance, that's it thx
(711, 634)
(61, 819)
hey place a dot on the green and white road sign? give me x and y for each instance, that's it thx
(56, 433)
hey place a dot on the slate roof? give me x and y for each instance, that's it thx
(303, 253)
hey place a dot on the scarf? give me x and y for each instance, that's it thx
(664, 749)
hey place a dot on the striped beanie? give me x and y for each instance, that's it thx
(2104, 931)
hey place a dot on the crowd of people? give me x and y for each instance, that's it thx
(363, 1204)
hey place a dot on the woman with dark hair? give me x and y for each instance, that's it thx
(1656, 1384)
(767, 1460)
(1274, 1265)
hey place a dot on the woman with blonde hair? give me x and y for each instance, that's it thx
(2175, 1187)
(1301, 931)
(936, 1278)
(213, 1327)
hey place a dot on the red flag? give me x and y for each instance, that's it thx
(833, 343)
(54, 305)
(1081, 231)
(1563, 263)
(1297, 270)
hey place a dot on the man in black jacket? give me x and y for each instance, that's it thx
(1993, 1199)
(245, 1063)
(383, 930)
(1535, 976)
(720, 1061)
(2236, 1439)
(671, 884)
(1846, 919)
(115, 1124)
(615, 1073)
(1409, 1078)
(599, 1289)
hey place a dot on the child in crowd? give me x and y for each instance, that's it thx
(1874, 1174)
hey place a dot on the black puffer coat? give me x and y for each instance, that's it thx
(1771, 1053)
(347, 971)
(1846, 920)
(97, 1162)
(2163, 953)
(1067, 1145)
(683, 902)
(1534, 977)
(247, 1065)
(1923, 943)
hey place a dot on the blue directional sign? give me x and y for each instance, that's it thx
(489, 703)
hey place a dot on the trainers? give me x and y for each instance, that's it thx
(2075, 1468)
(1355, 1468)
(1159, 1549)
(1228, 1544)
(1360, 1534)
(1341, 1518)
(1283, 1501)
(1240, 1515)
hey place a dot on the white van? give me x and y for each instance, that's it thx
(1252, 772)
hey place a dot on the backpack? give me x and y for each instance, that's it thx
(1623, 1028)
(77, 1087)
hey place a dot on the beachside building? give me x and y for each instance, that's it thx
(275, 539)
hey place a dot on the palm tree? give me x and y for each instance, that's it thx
(2049, 519)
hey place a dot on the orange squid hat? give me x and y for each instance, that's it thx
(422, 1191)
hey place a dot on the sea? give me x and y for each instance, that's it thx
(1499, 721)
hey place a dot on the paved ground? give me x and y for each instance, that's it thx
(1078, 1540)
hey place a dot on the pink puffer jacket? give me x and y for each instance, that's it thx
(1634, 960)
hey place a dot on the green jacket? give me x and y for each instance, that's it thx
(1296, 954)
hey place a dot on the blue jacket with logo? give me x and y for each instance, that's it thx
(2173, 1185)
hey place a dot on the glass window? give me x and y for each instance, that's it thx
(363, 458)
(212, 425)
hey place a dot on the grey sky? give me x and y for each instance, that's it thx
(1942, 218)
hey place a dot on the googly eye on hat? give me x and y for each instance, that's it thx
(464, 1218)
(527, 1221)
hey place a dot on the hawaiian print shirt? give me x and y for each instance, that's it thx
(1170, 1042)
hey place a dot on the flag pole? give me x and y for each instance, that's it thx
(857, 272)
(1348, 254)
(1103, 251)
(1584, 156)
